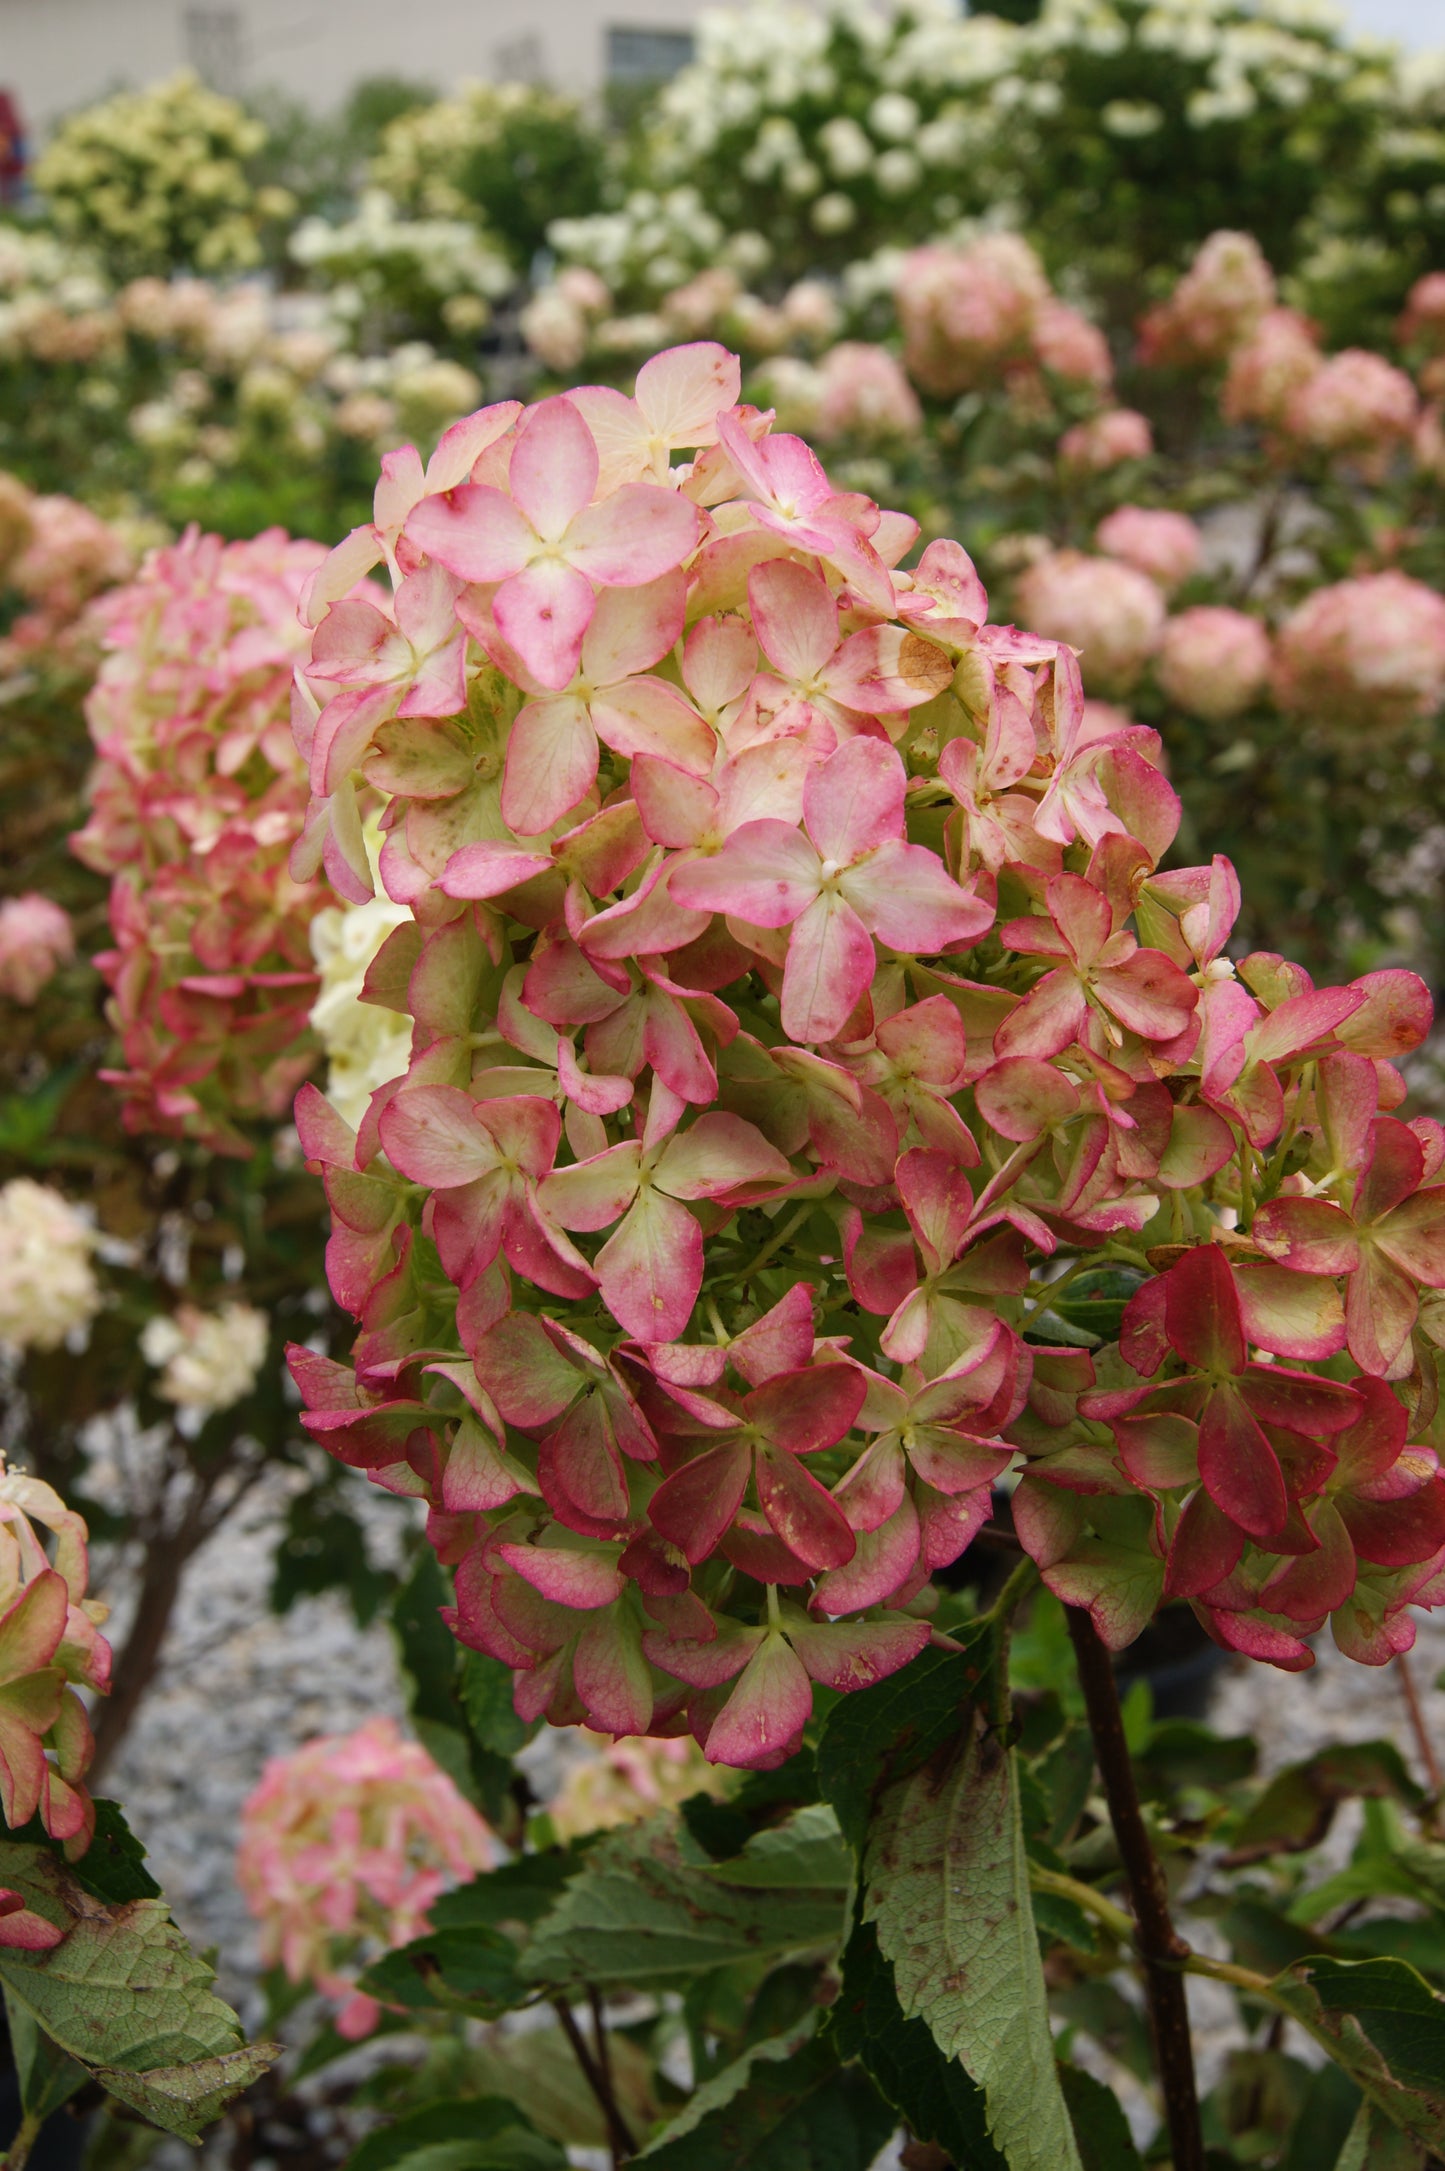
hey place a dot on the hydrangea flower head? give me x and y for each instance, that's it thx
(345, 1845)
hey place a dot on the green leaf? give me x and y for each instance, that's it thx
(481, 2133)
(1297, 1808)
(1374, 2145)
(113, 1865)
(1100, 2127)
(472, 1970)
(886, 1731)
(520, 1891)
(947, 1884)
(780, 2107)
(48, 2076)
(485, 1693)
(932, 2094)
(1385, 2026)
(639, 1912)
(805, 1854)
(125, 1995)
(722, 1828)
(181, 2099)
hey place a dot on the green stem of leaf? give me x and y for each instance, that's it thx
(18, 2153)
(1115, 1920)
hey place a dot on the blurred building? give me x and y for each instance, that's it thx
(59, 54)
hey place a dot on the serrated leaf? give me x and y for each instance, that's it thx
(519, 1891)
(1297, 1808)
(1384, 2025)
(470, 1970)
(478, 2133)
(124, 1993)
(113, 1865)
(883, 1732)
(182, 2099)
(638, 1912)
(1100, 2127)
(780, 2107)
(805, 1854)
(485, 1693)
(48, 2076)
(932, 2094)
(947, 1882)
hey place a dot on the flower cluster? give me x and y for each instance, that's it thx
(49, 1645)
(48, 1289)
(56, 555)
(36, 939)
(1365, 654)
(158, 179)
(194, 805)
(208, 1361)
(383, 265)
(345, 1845)
(629, 1779)
(796, 994)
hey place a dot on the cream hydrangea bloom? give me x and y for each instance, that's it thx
(365, 1045)
(207, 1360)
(48, 1288)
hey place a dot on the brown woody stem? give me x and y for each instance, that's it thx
(1161, 1949)
(1425, 1747)
(620, 2139)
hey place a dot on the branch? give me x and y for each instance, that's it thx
(1161, 1948)
(619, 2135)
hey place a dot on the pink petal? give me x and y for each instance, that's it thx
(544, 613)
(475, 531)
(794, 616)
(697, 1503)
(886, 669)
(491, 868)
(650, 1269)
(1201, 1311)
(1239, 1468)
(611, 1675)
(593, 1194)
(1300, 1316)
(765, 873)
(634, 536)
(646, 716)
(1381, 1307)
(551, 764)
(433, 1135)
(1310, 1235)
(805, 1516)
(902, 892)
(853, 801)
(809, 1409)
(1022, 1096)
(766, 1712)
(553, 470)
(677, 808)
(683, 391)
(714, 1155)
(830, 965)
(1051, 1015)
(633, 628)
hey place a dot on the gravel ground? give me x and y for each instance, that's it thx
(237, 1685)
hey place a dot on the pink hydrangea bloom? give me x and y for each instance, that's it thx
(36, 938)
(345, 1845)
(1213, 662)
(1270, 368)
(1067, 345)
(57, 554)
(1354, 404)
(195, 803)
(1112, 614)
(1367, 653)
(1106, 440)
(1216, 305)
(629, 1779)
(968, 312)
(689, 944)
(1422, 322)
(863, 396)
(1162, 544)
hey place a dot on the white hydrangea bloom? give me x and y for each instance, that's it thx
(365, 1045)
(48, 1288)
(207, 1360)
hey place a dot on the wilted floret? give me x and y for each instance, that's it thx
(345, 1846)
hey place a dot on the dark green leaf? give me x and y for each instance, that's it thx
(638, 1912)
(1100, 2127)
(805, 1854)
(723, 1828)
(113, 1865)
(932, 2094)
(485, 1692)
(520, 1891)
(779, 2108)
(472, 1970)
(1297, 1808)
(1384, 2025)
(883, 1733)
(1325, 2121)
(1060, 1920)
(481, 2133)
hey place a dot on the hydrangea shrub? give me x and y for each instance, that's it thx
(800, 1005)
